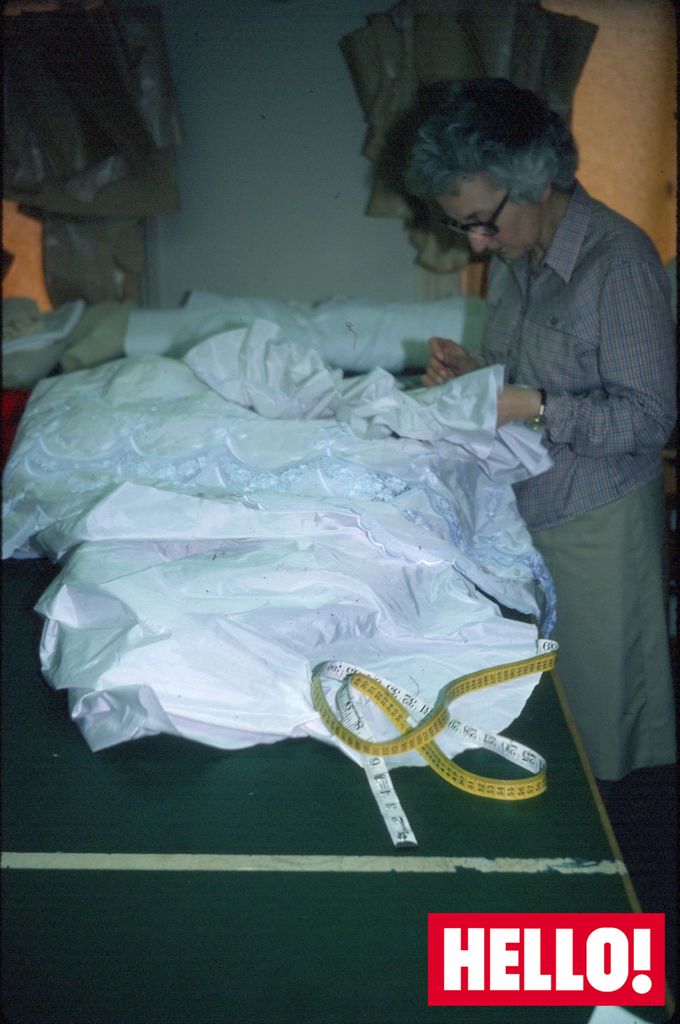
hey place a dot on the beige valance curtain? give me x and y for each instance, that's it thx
(402, 59)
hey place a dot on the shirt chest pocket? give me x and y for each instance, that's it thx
(550, 353)
(543, 351)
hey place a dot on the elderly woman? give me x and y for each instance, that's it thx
(579, 316)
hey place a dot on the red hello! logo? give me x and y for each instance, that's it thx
(546, 960)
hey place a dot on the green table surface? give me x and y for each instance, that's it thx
(315, 947)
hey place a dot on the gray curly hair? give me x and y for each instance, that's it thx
(491, 127)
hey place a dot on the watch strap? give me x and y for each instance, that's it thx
(537, 422)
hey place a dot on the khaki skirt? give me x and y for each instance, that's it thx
(614, 662)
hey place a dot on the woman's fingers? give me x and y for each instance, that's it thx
(442, 348)
(436, 373)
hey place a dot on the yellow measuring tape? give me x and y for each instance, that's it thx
(420, 737)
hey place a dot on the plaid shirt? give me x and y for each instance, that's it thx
(593, 327)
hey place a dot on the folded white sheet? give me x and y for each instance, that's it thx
(215, 641)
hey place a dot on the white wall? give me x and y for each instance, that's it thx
(272, 180)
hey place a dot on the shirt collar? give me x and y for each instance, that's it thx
(563, 251)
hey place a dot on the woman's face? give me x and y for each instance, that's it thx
(520, 225)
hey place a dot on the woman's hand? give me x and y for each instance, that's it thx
(447, 359)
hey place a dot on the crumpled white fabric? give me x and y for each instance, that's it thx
(215, 554)
(287, 380)
(252, 367)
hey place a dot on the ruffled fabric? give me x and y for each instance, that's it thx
(236, 518)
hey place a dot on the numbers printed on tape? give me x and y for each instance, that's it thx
(419, 723)
(376, 772)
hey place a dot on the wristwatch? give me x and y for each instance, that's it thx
(537, 422)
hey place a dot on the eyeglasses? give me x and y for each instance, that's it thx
(483, 227)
